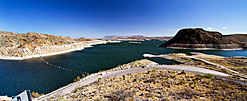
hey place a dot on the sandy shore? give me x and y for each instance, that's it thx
(80, 47)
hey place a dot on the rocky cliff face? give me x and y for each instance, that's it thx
(240, 39)
(199, 38)
(13, 44)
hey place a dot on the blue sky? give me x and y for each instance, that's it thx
(97, 18)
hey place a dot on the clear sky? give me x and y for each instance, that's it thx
(97, 18)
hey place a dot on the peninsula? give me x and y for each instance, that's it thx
(201, 39)
(30, 45)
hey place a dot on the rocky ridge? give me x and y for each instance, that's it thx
(26, 44)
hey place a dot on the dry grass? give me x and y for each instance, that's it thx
(237, 64)
(160, 85)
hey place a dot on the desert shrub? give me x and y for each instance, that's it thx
(197, 78)
(134, 80)
(23, 40)
(224, 86)
(172, 72)
(77, 79)
(148, 72)
(181, 82)
(100, 99)
(123, 77)
(35, 94)
(83, 75)
(154, 70)
(60, 99)
(209, 76)
(182, 72)
(99, 79)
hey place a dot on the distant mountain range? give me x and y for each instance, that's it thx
(135, 37)
(199, 38)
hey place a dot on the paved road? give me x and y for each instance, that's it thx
(104, 75)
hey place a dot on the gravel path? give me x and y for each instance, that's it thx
(203, 60)
(191, 69)
(94, 77)
(213, 64)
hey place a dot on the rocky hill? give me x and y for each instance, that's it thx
(199, 38)
(19, 45)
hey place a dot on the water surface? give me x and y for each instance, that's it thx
(35, 75)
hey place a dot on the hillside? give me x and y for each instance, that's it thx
(199, 38)
(159, 85)
(21, 45)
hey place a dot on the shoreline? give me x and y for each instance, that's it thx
(59, 52)
(205, 48)
(94, 77)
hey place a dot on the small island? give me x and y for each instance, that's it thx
(201, 39)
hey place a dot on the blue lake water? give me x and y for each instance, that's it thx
(36, 75)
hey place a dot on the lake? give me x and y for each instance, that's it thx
(36, 75)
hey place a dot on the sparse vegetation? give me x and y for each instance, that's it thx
(160, 85)
(235, 63)
(238, 64)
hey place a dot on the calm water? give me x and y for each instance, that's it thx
(35, 75)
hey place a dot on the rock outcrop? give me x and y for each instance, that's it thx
(199, 38)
